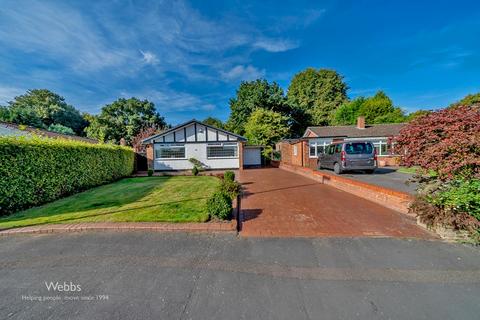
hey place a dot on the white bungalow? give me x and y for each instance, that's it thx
(215, 148)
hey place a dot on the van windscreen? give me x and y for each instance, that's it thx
(358, 148)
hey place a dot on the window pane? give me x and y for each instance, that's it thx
(320, 150)
(358, 148)
(228, 151)
(312, 151)
(170, 152)
(384, 148)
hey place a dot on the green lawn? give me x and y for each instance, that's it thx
(414, 170)
(167, 199)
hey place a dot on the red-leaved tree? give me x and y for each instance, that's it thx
(143, 134)
(446, 141)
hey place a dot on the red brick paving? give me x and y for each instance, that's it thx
(281, 203)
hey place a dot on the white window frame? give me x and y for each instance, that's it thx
(223, 145)
(170, 146)
(316, 144)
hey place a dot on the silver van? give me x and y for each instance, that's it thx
(353, 155)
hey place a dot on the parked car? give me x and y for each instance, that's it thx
(353, 155)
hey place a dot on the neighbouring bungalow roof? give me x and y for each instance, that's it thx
(165, 132)
(12, 129)
(377, 130)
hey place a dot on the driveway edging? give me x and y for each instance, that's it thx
(124, 226)
(389, 198)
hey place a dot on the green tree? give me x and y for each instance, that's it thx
(266, 127)
(416, 114)
(318, 93)
(124, 118)
(60, 129)
(380, 109)
(252, 95)
(348, 112)
(468, 100)
(214, 122)
(42, 107)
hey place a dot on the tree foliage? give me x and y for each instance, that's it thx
(124, 118)
(469, 100)
(445, 141)
(252, 95)
(266, 127)
(215, 122)
(318, 93)
(380, 109)
(41, 108)
(416, 114)
(348, 112)
(142, 135)
(60, 129)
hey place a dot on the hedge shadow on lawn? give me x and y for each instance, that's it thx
(119, 193)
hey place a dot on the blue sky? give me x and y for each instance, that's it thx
(189, 57)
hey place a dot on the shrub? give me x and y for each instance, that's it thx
(195, 170)
(219, 205)
(445, 141)
(150, 172)
(460, 196)
(37, 170)
(230, 187)
(229, 175)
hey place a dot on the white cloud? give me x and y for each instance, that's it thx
(149, 57)
(241, 72)
(8, 93)
(275, 45)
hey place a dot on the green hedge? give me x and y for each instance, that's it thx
(37, 170)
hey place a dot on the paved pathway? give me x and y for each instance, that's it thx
(281, 203)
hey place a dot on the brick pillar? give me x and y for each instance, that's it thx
(240, 155)
(149, 150)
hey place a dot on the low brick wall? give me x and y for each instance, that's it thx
(389, 198)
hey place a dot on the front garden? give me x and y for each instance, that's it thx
(142, 199)
(444, 149)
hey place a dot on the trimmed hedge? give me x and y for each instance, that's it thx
(37, 170)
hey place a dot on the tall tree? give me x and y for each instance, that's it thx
(380, 109)
(266, 127)
(468, 100)
(214, 122)
(318, 93)
(348, 112)
(42, 108)
(124, 118)
(252, 95)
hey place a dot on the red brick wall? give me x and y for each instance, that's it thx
(149, 150)
(286, 149)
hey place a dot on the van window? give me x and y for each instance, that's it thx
(338, 148)
(358, 148)
(331, 149)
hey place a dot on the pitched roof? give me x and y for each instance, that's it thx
(185, 124)
(377, 130)
(12, 129)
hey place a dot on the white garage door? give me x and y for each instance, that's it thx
(251, 157)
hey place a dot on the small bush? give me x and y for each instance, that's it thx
(219, 205)
(232, 188)
(229, 175)
(195, 170)
(150, 172)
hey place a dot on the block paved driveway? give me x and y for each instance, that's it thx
(285, 204)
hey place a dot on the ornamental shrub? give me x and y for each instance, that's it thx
(37, 170)
(195, 170)
(445, 141)
(219, 205)
(229, 175)
(230, 187)
(150, 172)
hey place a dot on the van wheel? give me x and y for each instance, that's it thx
(337, 169)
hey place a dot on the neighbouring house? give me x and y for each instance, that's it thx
(17, 130)
(305, 150)
(215, 148)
